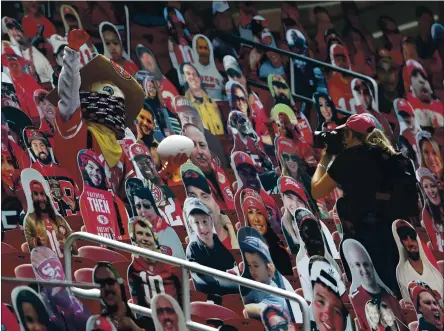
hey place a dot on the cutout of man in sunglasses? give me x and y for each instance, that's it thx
(113, 298)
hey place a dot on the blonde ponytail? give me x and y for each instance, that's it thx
(376, 139)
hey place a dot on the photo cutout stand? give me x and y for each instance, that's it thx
(168, 204)
(365, 285)
(312, 243)
(48, 267)
(43, 224)
(254, 214)
(143, 204)
(103, 212)
(255, 253)
(64, 191)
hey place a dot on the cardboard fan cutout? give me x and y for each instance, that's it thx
(24, 84)
(163, 303)
(365, 103)
(103, 211)
(247, 176)
(249, 105)
(297, 120)
(212, 80)
(37, 65)
(428, 109)
(168, 205)
(255, 252)
(328, 117)
(432, 214)
(14, 159)
(195, 92)
(143, 205)
(197, 185)
(180, 39)
(254, 214)
(328, 291)
(408, 129)
(114, 49)
(148, 62)
(293, 196)
(64, 191)
(339, 85)
(206, 249)
(236, 75)
(71, 21)
(366, 285)
(312, 242)
(25, 297)
(60, 300)
(43, 224)
(415, 260)
(426, 303)
(430, 153)
(147, 277)
(203, 158)
(304, 81)
(162, 107)
(247, 141)
(47, 113)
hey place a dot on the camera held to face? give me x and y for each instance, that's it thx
(330, 139)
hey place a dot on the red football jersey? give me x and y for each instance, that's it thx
(146, 280)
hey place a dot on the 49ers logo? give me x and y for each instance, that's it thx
(122, 73)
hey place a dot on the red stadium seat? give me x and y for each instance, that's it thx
(75, 222)
(234, 301)
(245, 324)
(294, 281)
(122, 268)
(11, 261)
(7, 288)
(78, 262)
(96, 253)
(15, 238)
(6, 248)
(237, 255)
(210, 310)
(24, 271)
(84, 275)
(197, 296)
(179, 192)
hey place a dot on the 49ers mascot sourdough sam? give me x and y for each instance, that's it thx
(95, 104)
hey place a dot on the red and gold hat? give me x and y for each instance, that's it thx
(289, 184)
(242, 158)
(285, 145)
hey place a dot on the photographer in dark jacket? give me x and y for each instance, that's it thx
(360, 171)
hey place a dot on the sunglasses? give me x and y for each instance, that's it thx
(242, 121)
(283, 326)
(287, 157)
(107, 281)
(166, 310)
(243, 99)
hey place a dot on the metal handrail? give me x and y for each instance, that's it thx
(185, 266)
(58, 283)
(306, 59)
